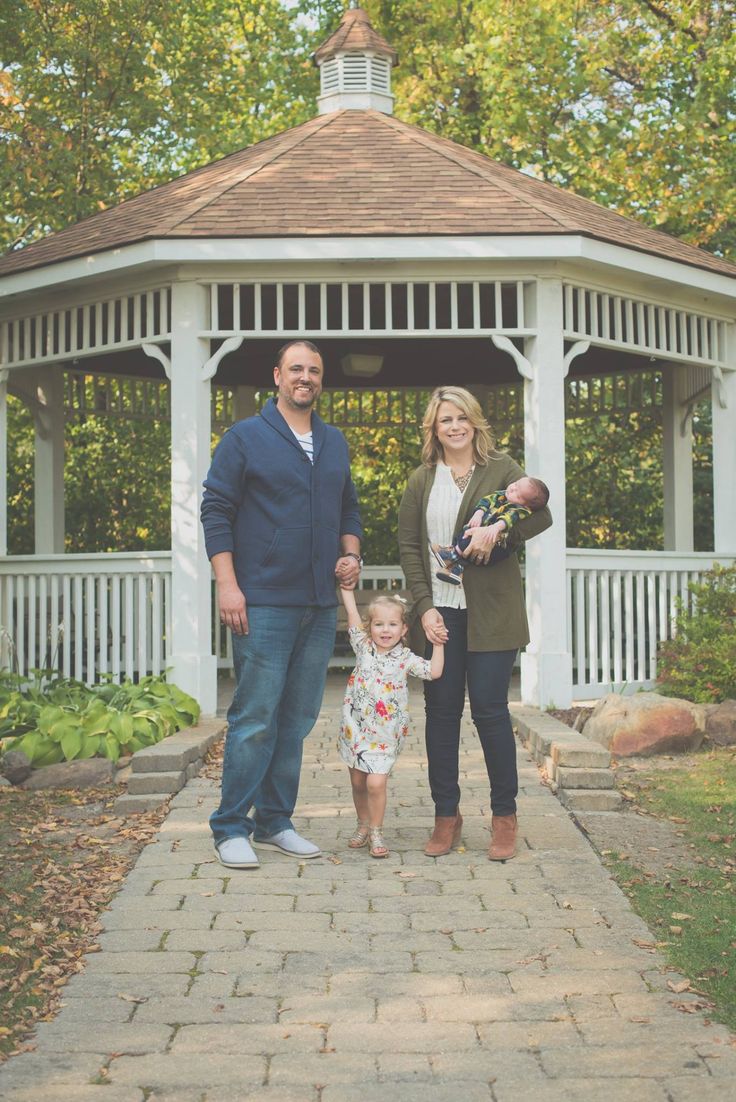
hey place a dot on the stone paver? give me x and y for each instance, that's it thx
(347, 978)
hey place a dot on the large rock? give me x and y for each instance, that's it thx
(89, 773)
(646, 723)
(720, 725)
(16, 766)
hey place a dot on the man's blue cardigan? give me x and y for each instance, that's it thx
(280, 515)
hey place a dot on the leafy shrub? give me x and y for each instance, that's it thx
(63, 719)
(699, 663)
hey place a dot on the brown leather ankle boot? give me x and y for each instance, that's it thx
(446, 834)
(503, 838)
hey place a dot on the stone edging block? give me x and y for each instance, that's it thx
(579, 770)
(159, 771)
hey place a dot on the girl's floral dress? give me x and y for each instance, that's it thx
(375, 713)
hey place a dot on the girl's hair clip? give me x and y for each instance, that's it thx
(396, 597)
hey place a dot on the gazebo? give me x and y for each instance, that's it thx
(412, 261)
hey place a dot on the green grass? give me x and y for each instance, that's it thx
(692, 910)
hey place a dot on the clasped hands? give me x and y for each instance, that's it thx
(347, 572)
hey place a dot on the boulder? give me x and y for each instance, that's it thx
(646, 723)
(582, 718)
(89, 773)
(16, 766)
(720, 723)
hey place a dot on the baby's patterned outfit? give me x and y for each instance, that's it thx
(375, 713)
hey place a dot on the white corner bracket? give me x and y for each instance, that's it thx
(578, 349)
(157, 353)
(720, 386)
(232, 344)
(523, 366)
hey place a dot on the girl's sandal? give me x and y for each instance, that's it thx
(360, 835)
(378, 845)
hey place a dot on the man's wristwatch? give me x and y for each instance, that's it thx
(353, 555)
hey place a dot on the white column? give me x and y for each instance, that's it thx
(677, 436)
(724, 451)
(546, 665)
(48, 467)
(3, 460)
(194, 667)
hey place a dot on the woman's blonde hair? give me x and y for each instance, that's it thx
(397, 604)
(483, 440)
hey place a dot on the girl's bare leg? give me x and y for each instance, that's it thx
(377, 784)
(360, 835)
(360, 793)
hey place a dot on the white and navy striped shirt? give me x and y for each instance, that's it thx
(305, 439)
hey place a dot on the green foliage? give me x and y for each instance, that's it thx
(63, 720)
(699, 663)
(102, 99)
(631, 104)
(117, 481)
(691, 909)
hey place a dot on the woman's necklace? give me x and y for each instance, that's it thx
(462, 480)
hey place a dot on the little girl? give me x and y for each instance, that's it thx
(375, 718)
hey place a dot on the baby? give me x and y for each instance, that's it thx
(499, 511)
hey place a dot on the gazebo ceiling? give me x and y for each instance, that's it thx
(353, 173)
(416, 362)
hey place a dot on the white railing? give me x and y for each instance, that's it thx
(620, 606)
(110, 614)
(86, 615)
(372, 577)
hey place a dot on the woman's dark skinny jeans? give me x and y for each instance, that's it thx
(488, 674)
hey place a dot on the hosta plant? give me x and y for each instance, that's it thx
(63, 720)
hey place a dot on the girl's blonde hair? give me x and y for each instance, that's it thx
(483, 440)
(397, 604)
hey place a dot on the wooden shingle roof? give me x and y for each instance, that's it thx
(355, 33)
(353, 174)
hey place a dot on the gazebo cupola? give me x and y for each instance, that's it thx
(355, 65)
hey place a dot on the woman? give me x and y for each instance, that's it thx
(482, 623)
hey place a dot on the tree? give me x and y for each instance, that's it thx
(628, 102)
(631, 103)
(101, 99)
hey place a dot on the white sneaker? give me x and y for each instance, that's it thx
(236, 853)
(291, 843)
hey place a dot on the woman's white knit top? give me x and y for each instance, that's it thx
(442, 507)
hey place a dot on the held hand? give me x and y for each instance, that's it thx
(233, 613)
(481, 544)
(434, 627)
(347, 572)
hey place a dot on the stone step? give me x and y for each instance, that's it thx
(144, 784)
(590, 799)
(129, 805)
(567, 777)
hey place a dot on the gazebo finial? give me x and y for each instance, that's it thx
(355, 65)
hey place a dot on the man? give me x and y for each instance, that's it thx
(281, 522)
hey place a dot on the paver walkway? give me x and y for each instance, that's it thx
(348, 979)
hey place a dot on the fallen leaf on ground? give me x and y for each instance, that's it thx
(679, 986)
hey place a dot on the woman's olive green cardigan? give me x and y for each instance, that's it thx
(494, 594)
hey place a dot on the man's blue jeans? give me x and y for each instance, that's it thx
(280, 672)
